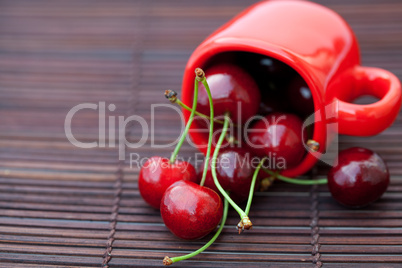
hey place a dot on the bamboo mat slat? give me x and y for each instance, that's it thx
(63, 206)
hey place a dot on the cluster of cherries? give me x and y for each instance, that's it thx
(192, 205)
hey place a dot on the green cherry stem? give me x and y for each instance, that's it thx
(169, 261)
(189, 122)
(181, 104)
(245, 222)
(230, 139)
(252, 186)
(295, 181)
(200, 76)
(171, 95)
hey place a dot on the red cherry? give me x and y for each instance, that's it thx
(360, 177)
(268, 72)
(279, 136)
(234, 169)
(191, 211)
(231, 87)
(272, 77)
(273, 102)
(300, 97)
(158, 174)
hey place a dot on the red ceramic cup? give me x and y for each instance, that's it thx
(319, 45)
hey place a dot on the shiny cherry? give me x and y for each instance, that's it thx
(279, 136)
(300, 97)
(235, 169)
(191, 211)
(359, 178)
(233, 90)
(157, 174)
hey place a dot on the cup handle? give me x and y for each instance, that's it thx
(368, 119)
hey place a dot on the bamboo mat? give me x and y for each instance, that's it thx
(63, 206)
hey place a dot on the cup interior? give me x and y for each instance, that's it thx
(282, 89)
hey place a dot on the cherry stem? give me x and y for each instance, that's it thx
(181, 104)
(189, 122)
(242, 214)
(230, 139)
(200, 76)
(169, 261)
(252, 186)
(294, 180)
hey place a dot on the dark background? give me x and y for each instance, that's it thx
(62, 205)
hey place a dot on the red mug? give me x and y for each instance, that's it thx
(321, 47)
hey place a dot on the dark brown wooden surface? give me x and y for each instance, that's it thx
(65, 206)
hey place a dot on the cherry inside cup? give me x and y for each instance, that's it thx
(280, 90)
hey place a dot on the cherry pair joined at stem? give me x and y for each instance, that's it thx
(174, 209)
(177, 218)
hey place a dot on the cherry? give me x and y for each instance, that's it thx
(272, 77)
(191, 211)
(235, 171)
(277, 94)
(271, 103)
(300, 97)
(360, 177)
(268, 72)
(280, 137)
(158, 174)
(233, 90)
(169, 261)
